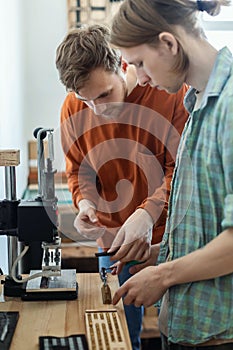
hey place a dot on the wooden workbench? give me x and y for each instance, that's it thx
(61, 318)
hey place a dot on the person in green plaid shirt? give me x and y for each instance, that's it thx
(194, 272)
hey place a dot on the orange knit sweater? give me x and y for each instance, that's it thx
(124, 163)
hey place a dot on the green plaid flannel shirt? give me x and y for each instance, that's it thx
(201, 207)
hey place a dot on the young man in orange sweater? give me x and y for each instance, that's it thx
(119, 141)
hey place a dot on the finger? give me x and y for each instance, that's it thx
(129, 252)
(136, 268)
(125, 292)
(118, 295)
(147, 252)
(139, 254)
(90, 231)
(142, 251)
(137, 303)
(91, 215)
(119, 268)
(85, 223)
(129, 299)
(121, 254)
(114, 248)
(82, 215)
(82, 225)
(114, 271)
(116, 268)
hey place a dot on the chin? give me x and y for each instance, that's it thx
(113, 112)
(173, 89)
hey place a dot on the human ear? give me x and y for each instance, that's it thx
(168, 41)
(124, 65)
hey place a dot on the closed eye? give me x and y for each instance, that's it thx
(104, 94)
(139, 64)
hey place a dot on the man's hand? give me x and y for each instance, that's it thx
(134, 238)
(211, 261)
(149, 262)
(86, 222)
(118, 266)
(144, 288)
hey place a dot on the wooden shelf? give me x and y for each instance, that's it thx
(90, 11)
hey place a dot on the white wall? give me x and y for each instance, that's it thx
(30, 92)
(44, 27)
(219, 29)
(11, 106)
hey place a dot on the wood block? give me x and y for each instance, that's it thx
(104, 330)
(9, 157)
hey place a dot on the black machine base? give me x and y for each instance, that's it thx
(65, 295)
(12, 288)
(62, 287)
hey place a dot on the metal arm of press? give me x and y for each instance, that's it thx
(46, 191)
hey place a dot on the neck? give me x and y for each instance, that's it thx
(202, 59)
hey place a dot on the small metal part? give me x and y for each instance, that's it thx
(106, 294)
(103, 275)
(44, 282)
(50, 145)
(52, 256)
(105, 289)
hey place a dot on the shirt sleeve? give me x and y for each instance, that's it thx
(225, 141)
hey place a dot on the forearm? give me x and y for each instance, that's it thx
(81, 186)
(213, 260)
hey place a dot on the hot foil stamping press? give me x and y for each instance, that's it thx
(34, 223)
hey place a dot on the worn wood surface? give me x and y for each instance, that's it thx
(61, 318)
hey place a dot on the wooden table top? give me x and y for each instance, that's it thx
(61, 318)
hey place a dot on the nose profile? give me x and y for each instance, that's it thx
(143, 79)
